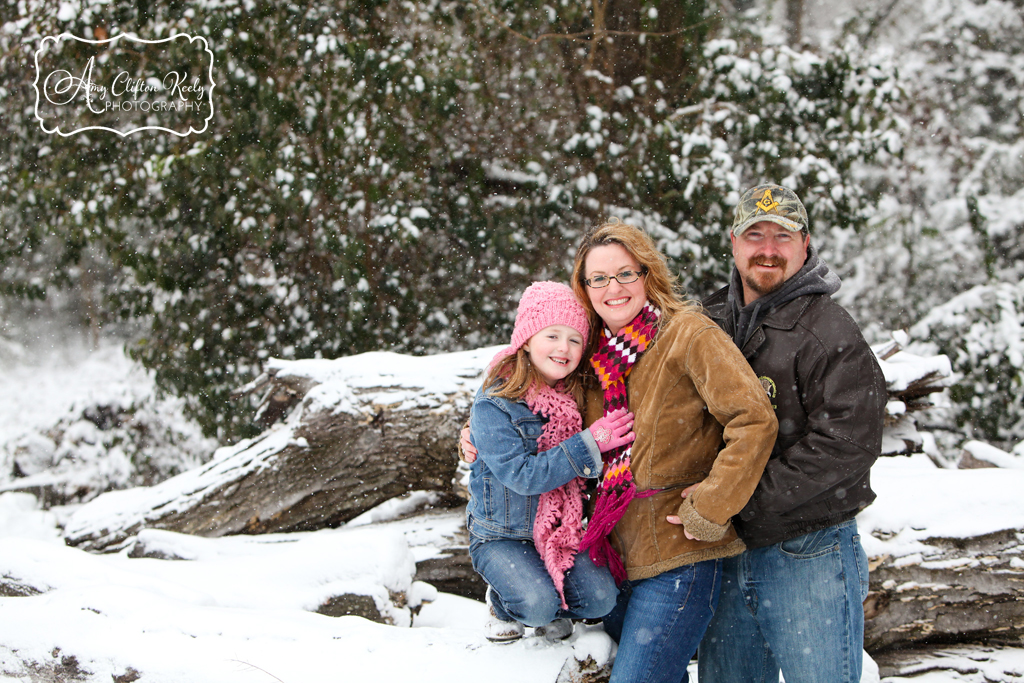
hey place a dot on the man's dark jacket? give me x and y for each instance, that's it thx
(829, 397)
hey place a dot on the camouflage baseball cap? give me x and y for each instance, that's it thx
(769, 202)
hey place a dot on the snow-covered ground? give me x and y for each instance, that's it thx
(242, 608)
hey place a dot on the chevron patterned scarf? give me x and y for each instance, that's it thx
(613, 361)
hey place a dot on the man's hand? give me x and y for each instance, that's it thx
(674, 519)
(467, 451)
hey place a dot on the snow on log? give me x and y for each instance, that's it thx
(976, 454)
(367, 429)
(909, 380)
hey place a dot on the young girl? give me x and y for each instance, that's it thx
(526, 497)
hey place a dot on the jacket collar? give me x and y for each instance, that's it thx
(783, 317)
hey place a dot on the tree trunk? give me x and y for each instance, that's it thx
(795, 22)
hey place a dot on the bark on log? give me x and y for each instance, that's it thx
(966, 590)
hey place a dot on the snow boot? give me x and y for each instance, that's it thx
(559, 629)
(498, 630)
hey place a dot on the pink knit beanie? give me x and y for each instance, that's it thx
(544, 304)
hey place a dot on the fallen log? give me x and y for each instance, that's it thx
(369, 428)
(972, 662)
(362, 430)
(945, 550)
(962, 590)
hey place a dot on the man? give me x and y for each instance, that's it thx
(793, 599)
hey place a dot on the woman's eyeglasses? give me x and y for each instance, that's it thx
(624, 278)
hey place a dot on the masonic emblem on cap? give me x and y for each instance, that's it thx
(767, 202)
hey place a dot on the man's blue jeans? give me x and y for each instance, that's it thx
(794, 606)
(658, 622)
(522, 589)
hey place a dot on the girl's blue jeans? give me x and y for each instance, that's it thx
(522, 589)
(794, 606)
(659, 621)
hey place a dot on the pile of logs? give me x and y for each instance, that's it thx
(339, 443)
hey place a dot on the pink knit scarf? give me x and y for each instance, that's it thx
(558, 526)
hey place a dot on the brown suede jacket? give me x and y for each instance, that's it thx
(701, 416)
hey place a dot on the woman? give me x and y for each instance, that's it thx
(704, 430)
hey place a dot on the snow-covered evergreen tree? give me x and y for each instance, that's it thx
(951, 221)
(982, 332)
(388, 174)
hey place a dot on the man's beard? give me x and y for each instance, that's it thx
(766, 283)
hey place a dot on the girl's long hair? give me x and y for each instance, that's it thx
(514, 377)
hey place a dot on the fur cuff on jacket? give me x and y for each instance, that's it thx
(703, 529)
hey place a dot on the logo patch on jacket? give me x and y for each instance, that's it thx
(769, 388)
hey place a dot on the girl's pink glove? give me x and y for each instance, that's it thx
(613, 430)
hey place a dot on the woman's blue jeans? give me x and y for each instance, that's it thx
(794, 606)
(522, 590)
(659, 621)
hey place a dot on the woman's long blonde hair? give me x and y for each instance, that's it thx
(660, 285)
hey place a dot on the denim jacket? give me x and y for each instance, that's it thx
(509, 474)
